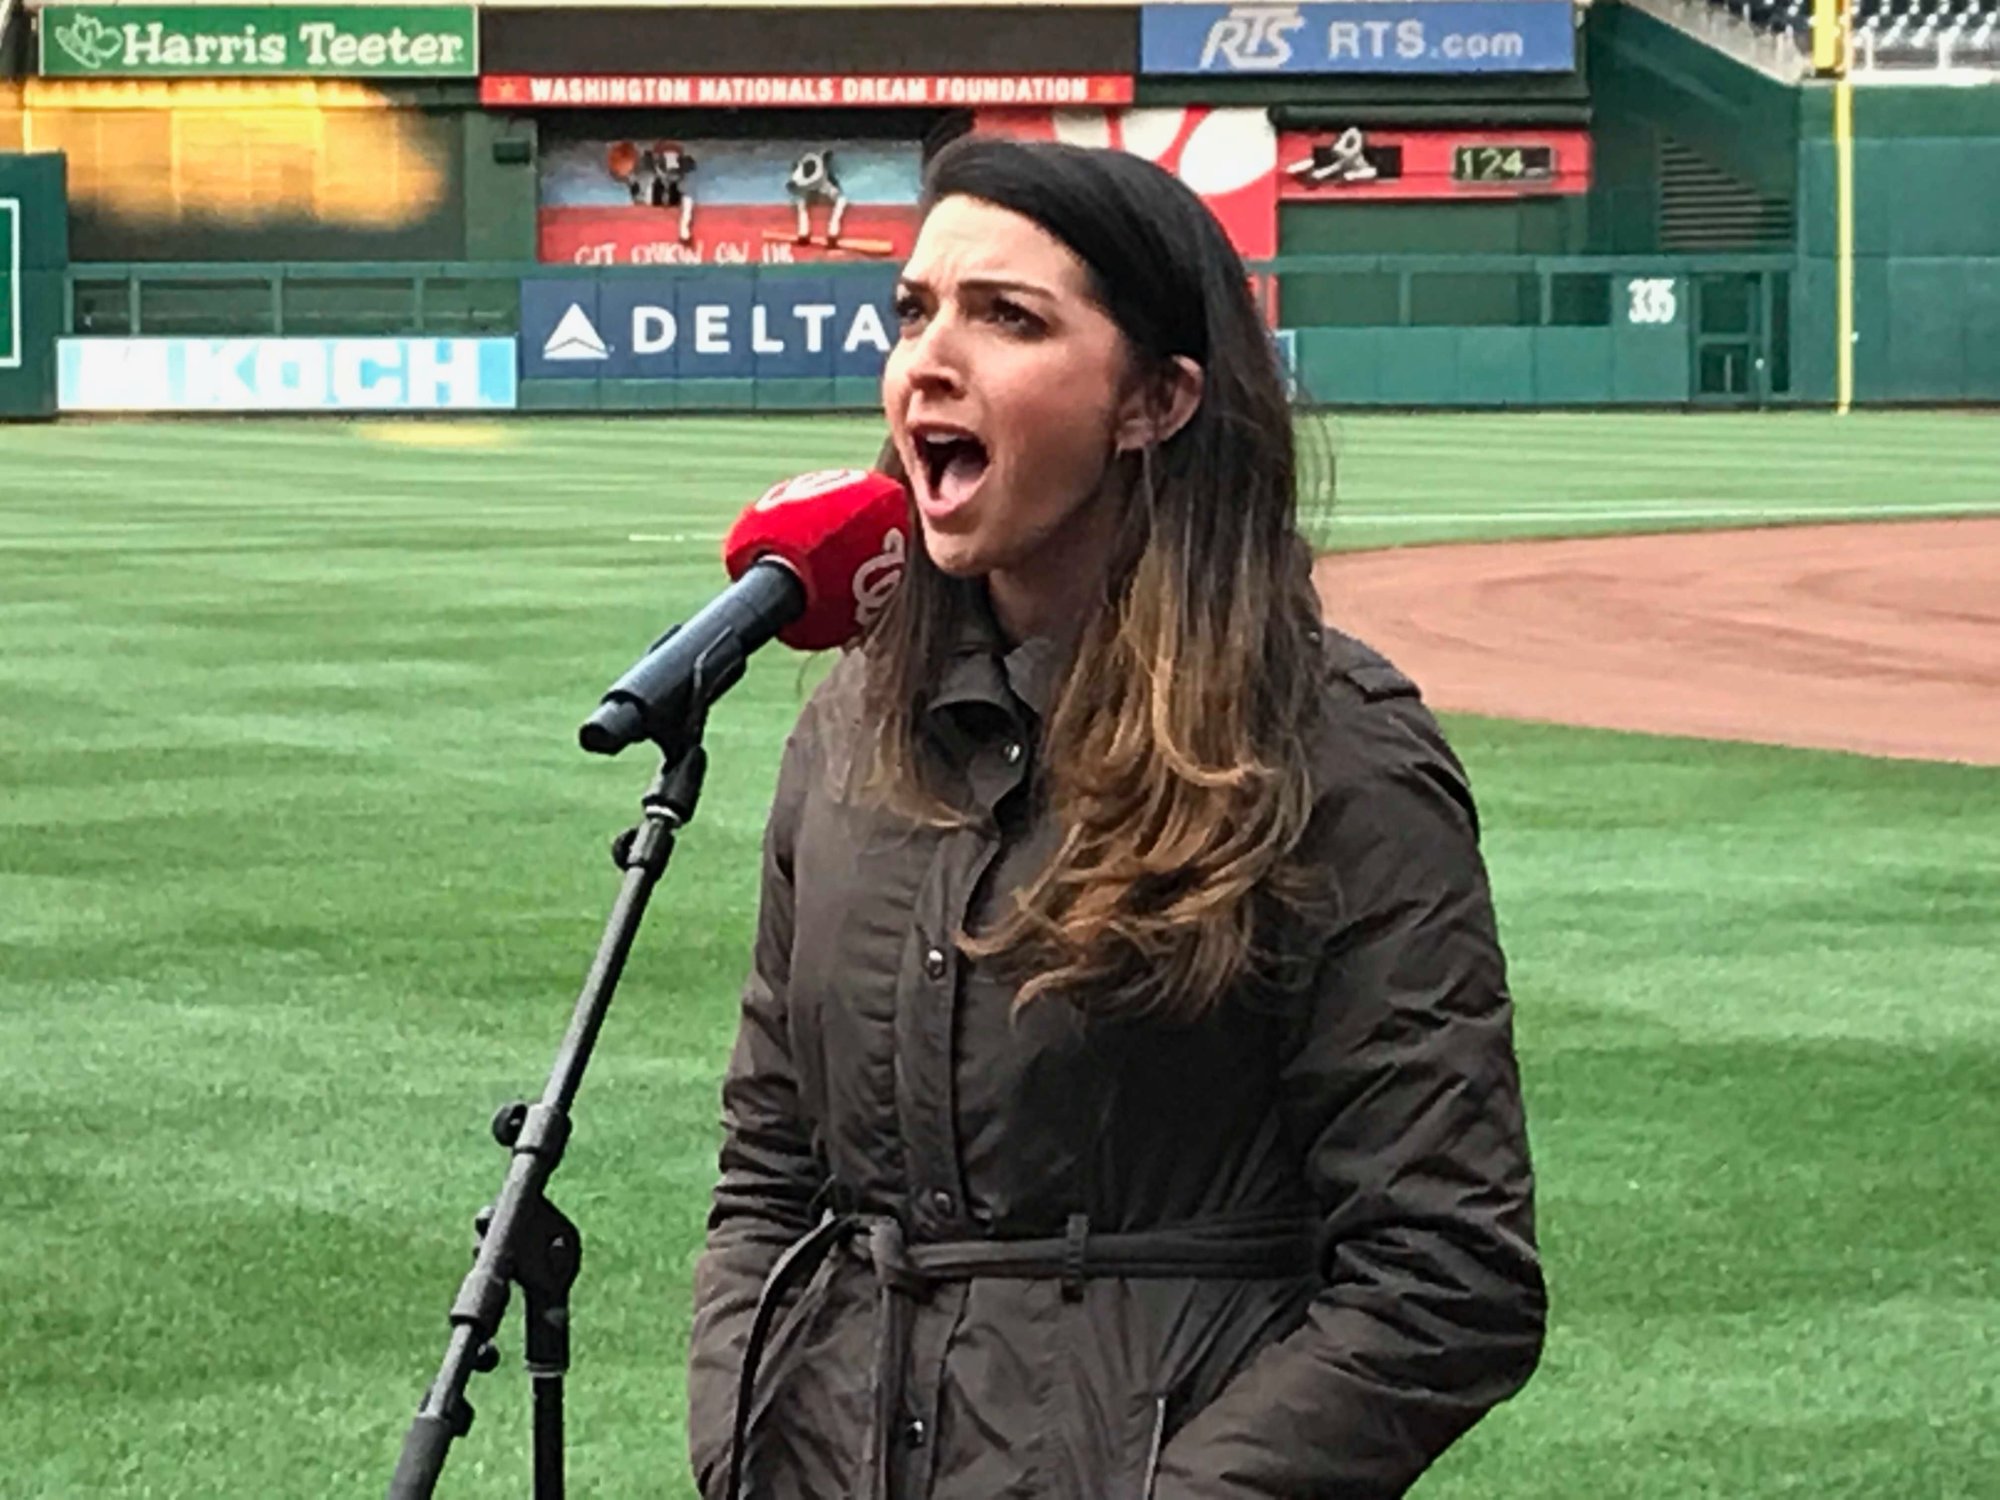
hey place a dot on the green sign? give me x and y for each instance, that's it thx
(10, 283)
(238, 41)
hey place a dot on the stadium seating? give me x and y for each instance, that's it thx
(1893, 34)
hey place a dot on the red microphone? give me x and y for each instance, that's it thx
(814, 562)
(844, 532)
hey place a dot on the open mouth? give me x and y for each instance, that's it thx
(953, 461)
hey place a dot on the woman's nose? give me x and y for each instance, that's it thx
(937, 363)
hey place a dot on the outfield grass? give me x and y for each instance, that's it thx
(300, 868)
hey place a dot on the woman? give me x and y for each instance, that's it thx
(1124, 1104)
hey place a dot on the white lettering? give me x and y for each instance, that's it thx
(316, 34)
(814, 316)
(1410, 39)
(866, 329)
(1252, 38)
(711, 328)
(1343, 39)
(426, 51)
(761, 341)
(653, 330)
(662, 253)
(1378, 32)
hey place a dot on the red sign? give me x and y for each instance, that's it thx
(811, 90)
(725, 235)
(1360, 163)
(1228, 156)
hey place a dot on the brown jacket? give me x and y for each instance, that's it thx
(1270, 1254)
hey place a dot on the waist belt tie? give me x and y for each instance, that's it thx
(905, 1273)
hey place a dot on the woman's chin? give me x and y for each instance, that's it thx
(956, 555)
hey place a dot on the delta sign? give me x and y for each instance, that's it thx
(747, 325)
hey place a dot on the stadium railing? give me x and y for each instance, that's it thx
(1446, 330)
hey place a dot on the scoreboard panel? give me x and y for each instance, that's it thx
(1363, 163)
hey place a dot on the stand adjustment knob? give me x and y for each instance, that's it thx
(507, 1122)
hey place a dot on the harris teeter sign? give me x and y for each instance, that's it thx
(238, 41)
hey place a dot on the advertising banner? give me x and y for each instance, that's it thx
(1360, 36)
(725, 201)
(248, 41)
(722, 325)
(1228, 156)
(802, 90)
(1366, 165)
(285, 374)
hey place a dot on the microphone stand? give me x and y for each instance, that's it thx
(525, 1240)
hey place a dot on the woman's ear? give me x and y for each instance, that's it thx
(1158, 408)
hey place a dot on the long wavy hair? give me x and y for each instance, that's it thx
(1177, 750)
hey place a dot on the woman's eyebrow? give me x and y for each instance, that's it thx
(982, 284)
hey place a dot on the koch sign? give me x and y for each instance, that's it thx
(235, 41)
(110, 374)
(1360, 36)
(733, 325)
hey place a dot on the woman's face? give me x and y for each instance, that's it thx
(1004, 400)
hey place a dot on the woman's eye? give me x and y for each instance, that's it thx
(1015, 318)
(908, 310)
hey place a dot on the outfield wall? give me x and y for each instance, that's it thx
(1444, 331)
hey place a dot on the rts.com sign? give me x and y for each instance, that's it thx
(1360, 36)
(248, 41)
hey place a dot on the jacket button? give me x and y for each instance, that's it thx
(944, 1203)
(934, 963)
(1013, 752)
(914, 1432)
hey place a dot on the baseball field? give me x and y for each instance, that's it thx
(300, 869)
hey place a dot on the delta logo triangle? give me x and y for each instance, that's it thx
(575, 338)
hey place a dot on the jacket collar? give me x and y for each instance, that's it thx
(983, 669)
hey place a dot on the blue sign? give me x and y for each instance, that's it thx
(1360, 36)
(279, 374)
(742, 325)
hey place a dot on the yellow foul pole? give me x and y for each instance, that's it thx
(1833, 52)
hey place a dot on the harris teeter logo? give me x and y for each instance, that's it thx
(223, 41)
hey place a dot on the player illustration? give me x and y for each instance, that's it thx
(1345, 159)
(657, 177)
(813, 181)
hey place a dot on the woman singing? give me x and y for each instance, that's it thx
(1125, 1103)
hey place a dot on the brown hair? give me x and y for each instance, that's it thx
(1177, 751)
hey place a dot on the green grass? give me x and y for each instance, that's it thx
(300, 868)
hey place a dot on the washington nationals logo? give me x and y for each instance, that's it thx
(875, 580)
(807, 487)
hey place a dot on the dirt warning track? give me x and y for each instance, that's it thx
(1880, 639)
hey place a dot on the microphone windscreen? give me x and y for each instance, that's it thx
(844, 532)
